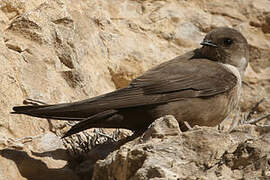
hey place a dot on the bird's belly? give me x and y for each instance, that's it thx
(208, 111)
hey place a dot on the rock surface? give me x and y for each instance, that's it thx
(163, 152)
(68, 50)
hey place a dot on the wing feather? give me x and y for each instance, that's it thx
(182, 77)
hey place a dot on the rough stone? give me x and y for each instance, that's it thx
(201, 153)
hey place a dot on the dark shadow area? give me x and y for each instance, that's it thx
(79, 166)
(103, 150)
(83, 163)
(58, 154)
(35, 169)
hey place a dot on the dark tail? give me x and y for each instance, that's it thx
(68, 111)
(92, 122)
(73, 111)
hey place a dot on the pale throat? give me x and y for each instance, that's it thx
(243, 62)
(237, 73)
(243, 65)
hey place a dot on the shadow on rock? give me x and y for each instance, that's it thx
(83, 164)
(33, 169)
(58, 154)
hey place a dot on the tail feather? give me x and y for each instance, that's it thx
(122, 98)
(66, 111)
(90, 122)
(22, 109)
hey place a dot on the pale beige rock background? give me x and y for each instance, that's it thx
(67, 50)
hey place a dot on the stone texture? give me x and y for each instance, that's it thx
(163, 152)
(67, 50)
(40, 157)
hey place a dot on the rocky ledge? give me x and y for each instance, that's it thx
(164, 152)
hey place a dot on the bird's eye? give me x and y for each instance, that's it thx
(227, 41)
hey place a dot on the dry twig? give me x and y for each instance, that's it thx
(248, 120)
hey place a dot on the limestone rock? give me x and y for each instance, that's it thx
(202, 153)
(40, 157)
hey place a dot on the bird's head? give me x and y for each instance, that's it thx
(228, 46)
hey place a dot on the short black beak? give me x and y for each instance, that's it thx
(208, 43)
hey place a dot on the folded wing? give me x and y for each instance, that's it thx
(174, 80)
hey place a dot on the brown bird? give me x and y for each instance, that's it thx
(201, 87)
